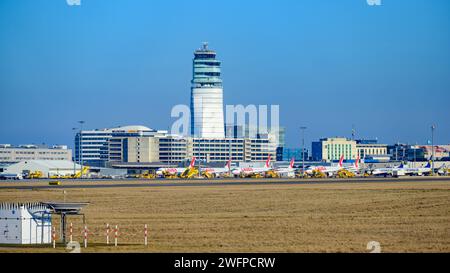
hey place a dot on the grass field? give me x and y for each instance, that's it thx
(343, 217)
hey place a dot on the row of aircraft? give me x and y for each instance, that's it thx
(402, 170)
(248, 171)
(290, 170)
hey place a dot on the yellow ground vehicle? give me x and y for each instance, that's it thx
(207, 175)
(78, 174)
(255, 175)
(300, 175)
(271, 174)
(189, 173)
(343, 173)
(35, 175)
(54, 183)
(83, 171)
(146, 175)
(318, 174)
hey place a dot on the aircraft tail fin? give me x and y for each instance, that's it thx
(268, 162)
(291, 165)
(192, 162)
(228, 165)
(341, 160)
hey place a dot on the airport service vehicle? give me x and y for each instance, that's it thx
(289, 171)
(249, 171)
(175, 171)
(328, 170)
(217, 171)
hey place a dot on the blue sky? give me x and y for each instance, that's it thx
(328, 64)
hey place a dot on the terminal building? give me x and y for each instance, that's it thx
(370, 150)
(14, 154)
(331, 149)
(100, 146)
(140, 144)
(406, 152)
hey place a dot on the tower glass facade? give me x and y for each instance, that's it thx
(206, 95)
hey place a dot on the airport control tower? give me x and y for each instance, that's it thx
(206, 95)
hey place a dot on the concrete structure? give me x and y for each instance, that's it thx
(371, 148)
(25, 224)
(424, 152)
(12, 154)
(406, 152)
(94, 148)
(207, 120)
(140, 144)
(239, 149)
(47, 167)
(331, 149)
(171, 149)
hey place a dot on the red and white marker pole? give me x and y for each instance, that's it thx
(145, 234)
(115, 236)
(71, 232)
(85, 236)
(107, 234)
(54, 237)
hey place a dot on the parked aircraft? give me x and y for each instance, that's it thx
(218, 171)
(328, 170)
(175, 171)
(287, 171)
(250, 170)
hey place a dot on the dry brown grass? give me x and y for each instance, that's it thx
(403, 217)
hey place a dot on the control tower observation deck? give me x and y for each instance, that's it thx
(207, 120)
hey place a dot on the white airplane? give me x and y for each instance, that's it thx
(249, 170)
(387, 170)
(354, 168)
(175, 171)
(287, 171)
(419, 171)
(218, 171)
(328, 170)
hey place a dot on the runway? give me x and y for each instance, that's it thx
(89, 183)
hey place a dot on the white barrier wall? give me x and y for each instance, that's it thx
(28, 223)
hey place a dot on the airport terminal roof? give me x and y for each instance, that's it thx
(49, 164)
(132, 128)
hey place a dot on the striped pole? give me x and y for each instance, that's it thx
(107, 234)
(145, 234)
(85, 236)
(71, 232)
(54, 237)
(115, 236)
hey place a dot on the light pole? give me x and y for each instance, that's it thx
(74, 155)
(229, 151)
(415, 148)
(433, 127)
(80, 149)
(303, 128)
